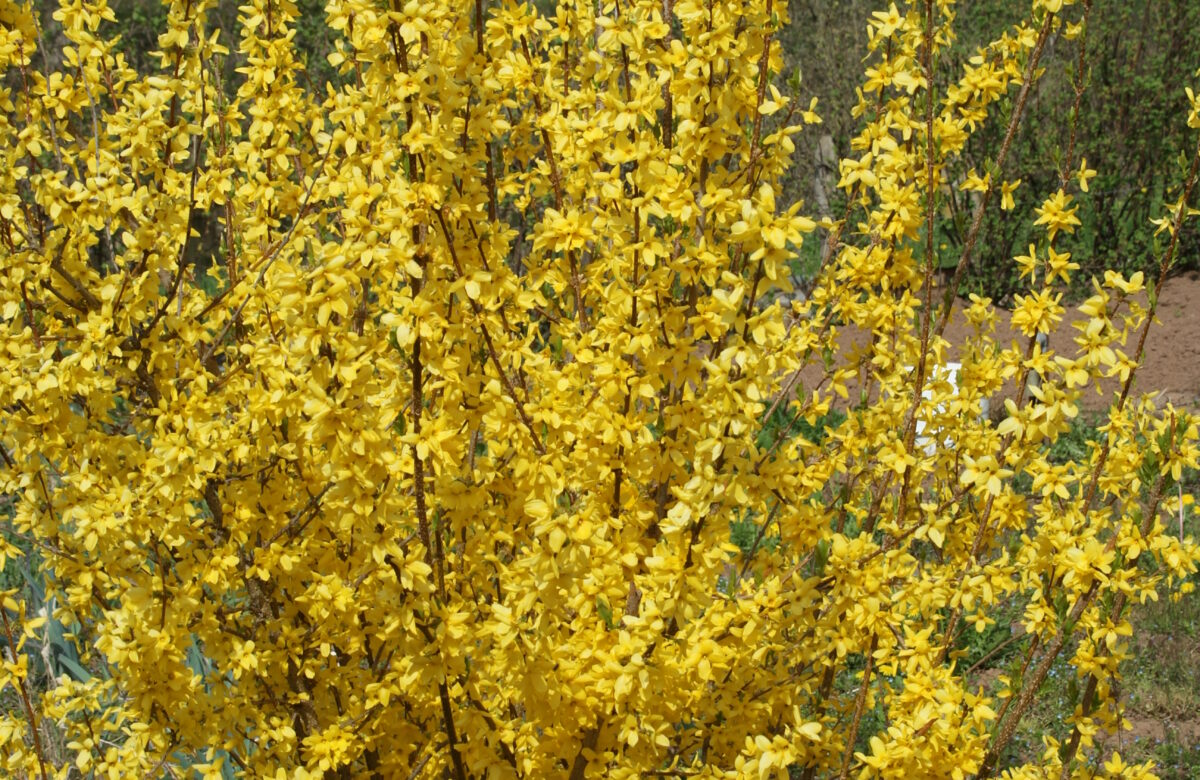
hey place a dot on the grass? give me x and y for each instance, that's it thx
(1160, 693)
(1160, 689)
(1162, 686)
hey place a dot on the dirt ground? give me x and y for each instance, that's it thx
(1173, 348)
(1172, 360)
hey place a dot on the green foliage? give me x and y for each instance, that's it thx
(1076, 443)
(1131, 128)
(998, 644)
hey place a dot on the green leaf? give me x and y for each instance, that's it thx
(73, 668)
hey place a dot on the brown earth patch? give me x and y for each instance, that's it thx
(1171, 365)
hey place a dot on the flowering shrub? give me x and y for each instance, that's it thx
(429, 465)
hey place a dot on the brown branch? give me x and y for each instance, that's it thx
(91, 302)
(1069, 160)
(1118, 606)
(859, 706)
(487, 337)
(910, 426)
(21, 685)
(977, 219)
(265, 262)
(556, 184)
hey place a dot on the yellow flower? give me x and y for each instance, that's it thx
(1006, 194)
(1057, 213)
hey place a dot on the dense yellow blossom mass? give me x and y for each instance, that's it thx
(428, 466)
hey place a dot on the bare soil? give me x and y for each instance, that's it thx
(1171, 364)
